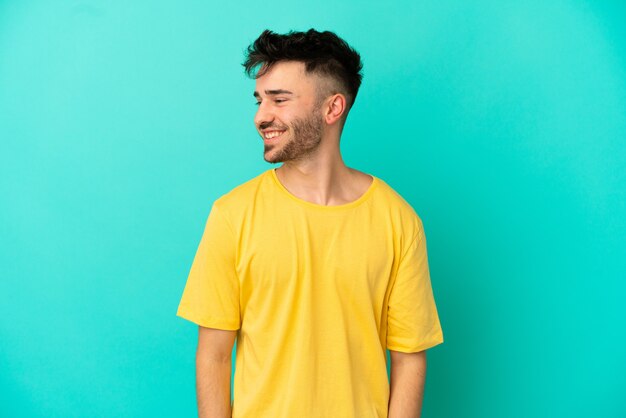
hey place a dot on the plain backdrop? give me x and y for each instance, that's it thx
(502, 123)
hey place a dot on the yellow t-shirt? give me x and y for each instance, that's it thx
(317, 294)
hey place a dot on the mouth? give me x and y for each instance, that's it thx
(274, 135)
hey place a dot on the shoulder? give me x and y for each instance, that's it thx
(399, 208)
(239, 199)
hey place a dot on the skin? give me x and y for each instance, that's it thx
(408, 377)
(313, 168)
(312, 111)
(213, 371)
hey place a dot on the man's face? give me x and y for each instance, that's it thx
(289, 119)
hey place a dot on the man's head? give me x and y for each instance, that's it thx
(306, 83)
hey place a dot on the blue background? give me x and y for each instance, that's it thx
(502, 123)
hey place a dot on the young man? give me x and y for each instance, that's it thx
(315, 267)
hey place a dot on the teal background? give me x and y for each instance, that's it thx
(502, 123)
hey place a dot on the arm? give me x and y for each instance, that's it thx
(408, 375)
(213, 360)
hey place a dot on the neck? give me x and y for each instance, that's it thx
(321, 177)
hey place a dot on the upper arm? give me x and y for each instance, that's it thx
(211, 296)
(398, 357)
(215, 344)
(412, 319)
(414, 363)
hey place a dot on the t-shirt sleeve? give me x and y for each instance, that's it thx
(211, 294)
(412, 319)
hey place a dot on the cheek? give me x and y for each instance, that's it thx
(286, 119)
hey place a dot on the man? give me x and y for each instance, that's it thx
(316, 268)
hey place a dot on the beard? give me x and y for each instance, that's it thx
(305, 139)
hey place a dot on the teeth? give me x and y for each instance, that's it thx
(273, 134)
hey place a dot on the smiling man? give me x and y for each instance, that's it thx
(315, 268)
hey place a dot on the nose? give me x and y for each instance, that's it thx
(263, 115)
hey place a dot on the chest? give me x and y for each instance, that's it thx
(351, 255)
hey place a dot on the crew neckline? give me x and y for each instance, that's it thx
(306, 203)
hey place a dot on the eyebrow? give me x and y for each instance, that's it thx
(272, 92)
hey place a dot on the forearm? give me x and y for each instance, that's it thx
(408, 376)
(213, 388)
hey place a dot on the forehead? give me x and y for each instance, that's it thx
(287, 75)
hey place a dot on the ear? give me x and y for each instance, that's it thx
(335, 108)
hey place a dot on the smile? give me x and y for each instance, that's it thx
(272, 134)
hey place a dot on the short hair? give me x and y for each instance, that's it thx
(323, 53)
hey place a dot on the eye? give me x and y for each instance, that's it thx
(280, 100)
(257, 103)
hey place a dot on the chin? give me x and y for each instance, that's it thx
(270, 159)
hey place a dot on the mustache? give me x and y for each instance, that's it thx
(267, 125)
